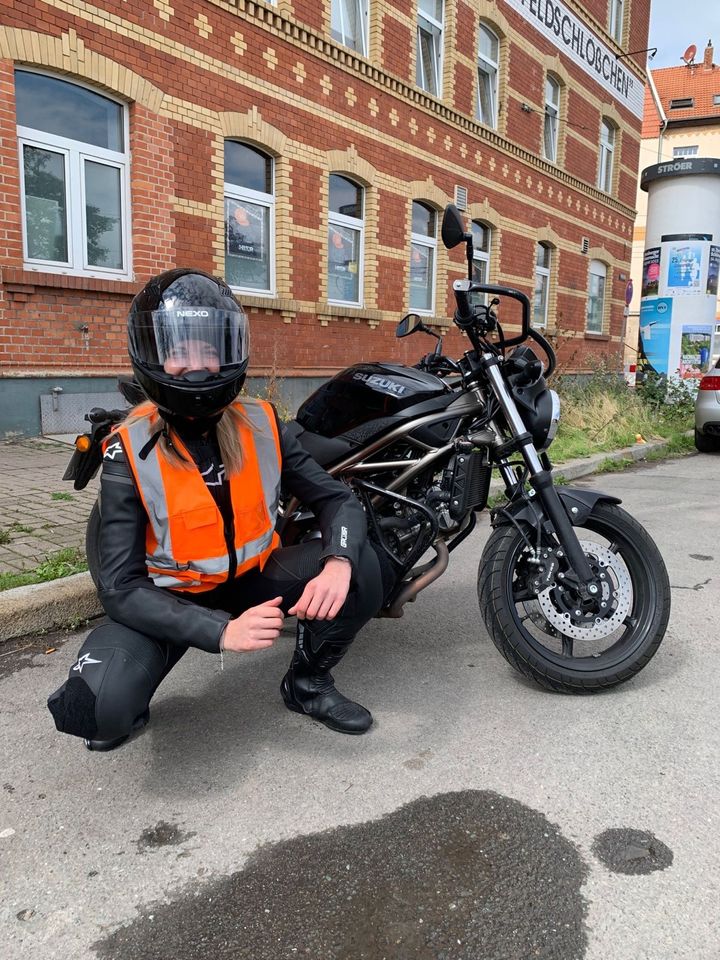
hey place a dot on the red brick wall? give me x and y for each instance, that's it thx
(172, 161)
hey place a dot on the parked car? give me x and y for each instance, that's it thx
(707, 412)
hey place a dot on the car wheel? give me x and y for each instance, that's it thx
(706, 444)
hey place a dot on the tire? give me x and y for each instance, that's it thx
(705, 444)
(92, 542)
(537, 647)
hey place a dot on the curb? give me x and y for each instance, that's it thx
(42, 607)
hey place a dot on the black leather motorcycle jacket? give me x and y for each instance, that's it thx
(126, 591)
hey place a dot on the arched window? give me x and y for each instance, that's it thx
(349, 24)
(543, 265)
(596, 296)
(423, 249)
(488, 70)
(607, 149)
(249, 218)
(346, 239)
(552, 111)
(74, 174)
(429, 45)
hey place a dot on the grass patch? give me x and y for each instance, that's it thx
(62, 563)
(603, 414)
(61, 496)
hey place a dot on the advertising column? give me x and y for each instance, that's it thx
(680, 268)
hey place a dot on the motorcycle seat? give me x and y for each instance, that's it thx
(325, 450)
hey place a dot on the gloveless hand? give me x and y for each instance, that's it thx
(323, 596)
(257, 628)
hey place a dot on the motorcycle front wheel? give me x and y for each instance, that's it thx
(557, 639)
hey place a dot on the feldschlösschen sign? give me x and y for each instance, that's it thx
(573, 38)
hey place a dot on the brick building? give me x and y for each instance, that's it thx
(305, 149)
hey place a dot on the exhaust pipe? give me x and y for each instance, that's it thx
(412, 589)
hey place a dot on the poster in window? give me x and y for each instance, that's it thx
(245, 230)
(713, 271)
(420, 265)
(343, 263)
(651, 272)
(684, 268)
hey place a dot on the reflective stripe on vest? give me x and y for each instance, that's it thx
(185, 541)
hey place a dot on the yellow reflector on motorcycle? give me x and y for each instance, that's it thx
(82, 443)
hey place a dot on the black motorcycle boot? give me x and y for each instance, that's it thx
(103, 746)
(308, 687)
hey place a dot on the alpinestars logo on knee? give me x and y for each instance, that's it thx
(84, 661)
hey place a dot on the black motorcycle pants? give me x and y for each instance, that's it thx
(118, 669)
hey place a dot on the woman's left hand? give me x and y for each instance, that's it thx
(323, 596)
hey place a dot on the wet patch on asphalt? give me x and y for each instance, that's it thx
(623, 850)
(162, 835)
(457, 876)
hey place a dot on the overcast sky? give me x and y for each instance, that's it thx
(675, 24)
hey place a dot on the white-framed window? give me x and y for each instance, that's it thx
(596, 297)
(74, 189)
(249, 219)
(616, 19)
(423, 255)
(430, 45)
(543, 264)
(346, 241)
(488, 71)
(552, 112)
(607, 149)
(689, 151)
(482, 241)
(349, 24)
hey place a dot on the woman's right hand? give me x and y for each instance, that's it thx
(255, 629)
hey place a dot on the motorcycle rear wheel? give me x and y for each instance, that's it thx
(559, 657)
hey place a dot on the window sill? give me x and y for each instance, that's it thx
(596, 336)
(334, 311)
(27, 279)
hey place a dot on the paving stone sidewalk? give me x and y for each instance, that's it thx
(40, 513)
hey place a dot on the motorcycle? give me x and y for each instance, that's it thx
(573, 591)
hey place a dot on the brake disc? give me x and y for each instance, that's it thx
(617, 593)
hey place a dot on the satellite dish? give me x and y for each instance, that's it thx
(689, 55)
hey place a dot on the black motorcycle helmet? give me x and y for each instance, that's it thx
(180, 316)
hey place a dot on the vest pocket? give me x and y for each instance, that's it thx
(200, 517)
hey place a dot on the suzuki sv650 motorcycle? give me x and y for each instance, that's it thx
(573, 591)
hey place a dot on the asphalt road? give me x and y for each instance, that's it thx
(481, 818)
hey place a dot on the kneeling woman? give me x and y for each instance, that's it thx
(189, 556)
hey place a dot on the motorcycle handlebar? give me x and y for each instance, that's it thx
(463, 289)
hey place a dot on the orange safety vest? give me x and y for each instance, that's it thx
(185, 540)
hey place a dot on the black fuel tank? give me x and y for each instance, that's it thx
(367, 391)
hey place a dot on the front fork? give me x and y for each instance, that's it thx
(540, 479)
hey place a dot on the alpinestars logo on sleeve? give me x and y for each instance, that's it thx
(113, 450)
(84, 661)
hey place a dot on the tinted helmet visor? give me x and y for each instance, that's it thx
(195, 343)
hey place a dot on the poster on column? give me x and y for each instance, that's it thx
(654, 346)
(651, 272)
(684, 268)
(713, 271)
(695, 350)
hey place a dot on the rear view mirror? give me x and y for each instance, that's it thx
(409, 324)
(453, 227)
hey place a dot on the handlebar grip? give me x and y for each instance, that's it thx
(464, 315)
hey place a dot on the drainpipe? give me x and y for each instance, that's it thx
(663, 118)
